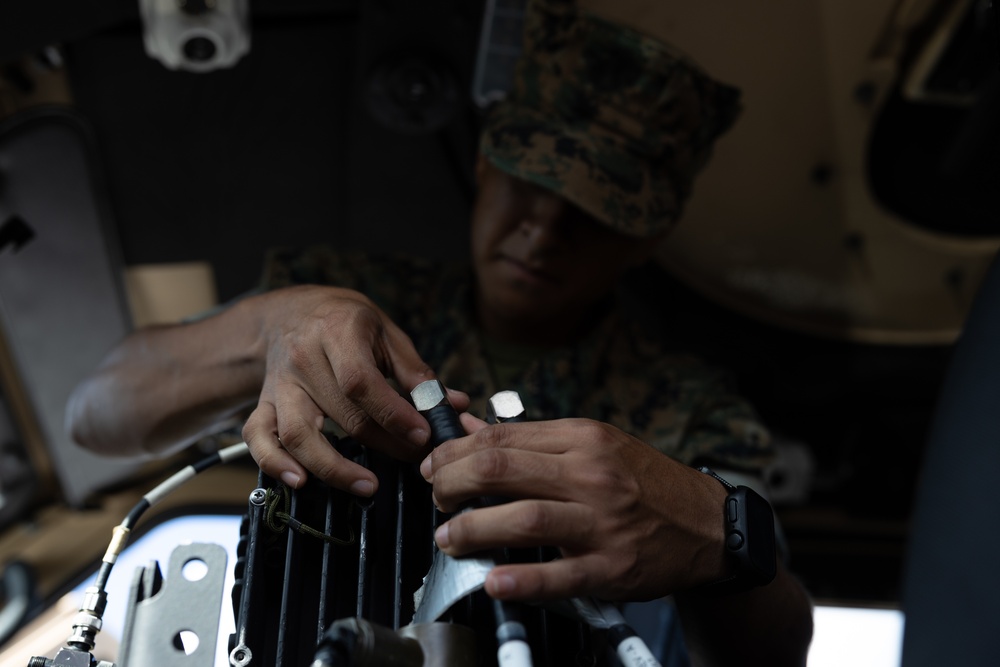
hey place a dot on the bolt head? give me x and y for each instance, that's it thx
(428, 395)
(503, 406)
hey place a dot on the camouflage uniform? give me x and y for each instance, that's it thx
(617, 374)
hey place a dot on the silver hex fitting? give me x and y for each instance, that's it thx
(94, 601)
(429, 395)
(85, 629)
(504, 406)
(87, 622)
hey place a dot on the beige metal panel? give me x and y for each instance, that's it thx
(169, 293)
(61, 301)
(762, 234)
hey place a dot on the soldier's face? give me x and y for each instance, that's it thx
(539, 259)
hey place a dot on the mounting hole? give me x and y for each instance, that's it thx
(186, 641)
(199, 49)
(195, 569)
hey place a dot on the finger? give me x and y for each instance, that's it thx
(361, 426)
(527, 523)
(553, 580)
(299, 423)
(261, 435)
(471, 423)
(404, 363)
(459, 400)
(367, 397)
(511, 473)
(406, 366)
(551, 437)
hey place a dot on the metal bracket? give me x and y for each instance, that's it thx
(174, 621)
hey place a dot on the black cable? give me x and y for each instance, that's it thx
(121, 532)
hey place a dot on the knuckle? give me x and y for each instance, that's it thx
(443, 500)
(494, 437)
(629, 569)
(266, 460)
(424, 371)
(458, 533)
(490, 465)
(297, 352)
(582, 426)
(353, 383)
(250, 429)
(254, 427)
(385, 413)
(357, 313)
(577, 578)
(326, 468)
(532, 521)
(355, 422)
(595, 432)
(295, 433)
(605, 479)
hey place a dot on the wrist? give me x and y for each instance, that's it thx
(712, 564)
(248, 334)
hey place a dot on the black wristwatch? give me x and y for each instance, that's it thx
(749, 525)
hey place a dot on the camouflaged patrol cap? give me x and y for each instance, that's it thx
(616, 122)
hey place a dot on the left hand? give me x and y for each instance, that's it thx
(631, 523)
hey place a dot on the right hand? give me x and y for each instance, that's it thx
(328, 352)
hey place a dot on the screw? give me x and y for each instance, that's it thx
(257, 497)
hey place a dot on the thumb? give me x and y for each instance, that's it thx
(471, 424)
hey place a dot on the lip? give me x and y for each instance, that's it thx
(521, 271)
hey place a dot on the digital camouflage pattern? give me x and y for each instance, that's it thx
(615, 121)
(618, 374)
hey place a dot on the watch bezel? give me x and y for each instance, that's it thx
(749, 538)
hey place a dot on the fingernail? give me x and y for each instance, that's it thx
(291, 479)
(441, 537)
(425, 468)
(500, 584)
(363, 488)
(418, 436)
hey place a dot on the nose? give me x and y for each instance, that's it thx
(548, 224)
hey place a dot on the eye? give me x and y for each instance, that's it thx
(524, 188)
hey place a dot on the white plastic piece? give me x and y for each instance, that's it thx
(633, 652)
(514, 653)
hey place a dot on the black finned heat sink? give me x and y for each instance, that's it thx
(290, 586)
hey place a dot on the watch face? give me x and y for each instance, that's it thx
(760, 538)
(750, 536)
